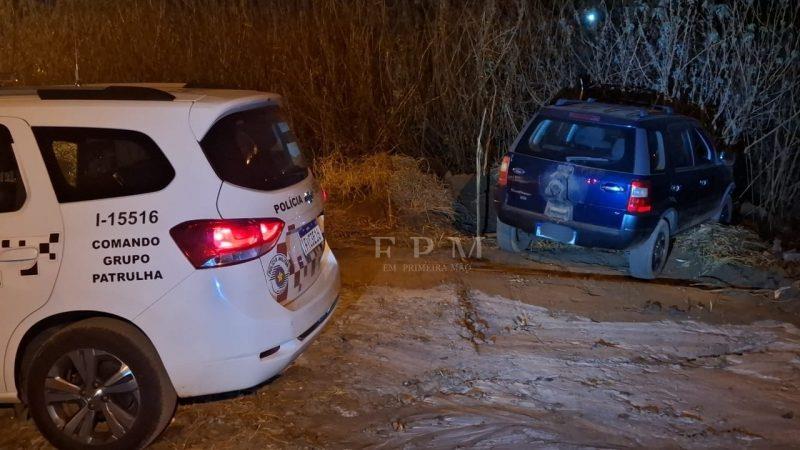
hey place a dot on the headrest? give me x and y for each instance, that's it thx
(591, 137)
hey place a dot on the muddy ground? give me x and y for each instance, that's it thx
(516, 351)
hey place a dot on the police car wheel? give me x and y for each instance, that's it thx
(99, 383)
(512, 239)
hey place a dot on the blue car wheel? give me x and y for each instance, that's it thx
(512, 239)
(648, 259)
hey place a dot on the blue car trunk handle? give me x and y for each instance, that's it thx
(611, 187)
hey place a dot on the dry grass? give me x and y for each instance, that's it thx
(711, 245)
(716, 245)
(383, 192)
(546, 245)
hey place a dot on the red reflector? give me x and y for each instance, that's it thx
(502, 178)
(215, 243)
(639, 200)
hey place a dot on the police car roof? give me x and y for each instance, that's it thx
(207, 104)
(127, 92)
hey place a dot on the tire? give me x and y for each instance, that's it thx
(725, 215)
(30, 351)
(125, 409)
(512, 239)
(648, 259)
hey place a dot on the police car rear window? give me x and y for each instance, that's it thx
(96, 163)
(12, 192)
(255, 149)
(583, 143)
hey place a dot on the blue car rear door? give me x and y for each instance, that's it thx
(711, 183)
(685, 182)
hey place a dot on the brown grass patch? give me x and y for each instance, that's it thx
(716, 245)
(383, 192)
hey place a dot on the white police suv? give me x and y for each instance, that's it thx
(156, 241)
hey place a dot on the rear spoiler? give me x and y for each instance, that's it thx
(138, 93)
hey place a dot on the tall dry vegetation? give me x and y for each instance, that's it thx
(417, 78)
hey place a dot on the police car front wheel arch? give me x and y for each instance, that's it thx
(647, 260)
(512, 239)
(99, 382)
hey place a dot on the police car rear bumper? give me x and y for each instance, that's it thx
(217, 331)
(248, 371)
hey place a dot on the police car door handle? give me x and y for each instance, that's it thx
(19, 255)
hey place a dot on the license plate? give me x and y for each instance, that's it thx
(560, 211)
(310, 237)
(555, 232)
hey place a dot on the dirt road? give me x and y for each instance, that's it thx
(504, 352)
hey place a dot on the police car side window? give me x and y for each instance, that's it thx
(94, 163)
(12, 191)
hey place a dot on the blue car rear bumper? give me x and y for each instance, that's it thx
(634, 230)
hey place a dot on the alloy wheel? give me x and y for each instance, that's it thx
(92, 396)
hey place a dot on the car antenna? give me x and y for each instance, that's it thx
(77, 69)
(75, 43)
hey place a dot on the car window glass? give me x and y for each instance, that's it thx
(655, 145)
(67, 157)
(12, 191)
(94, 163)
(702, 152)
(255, 149)
(679, 147)
(578, 142)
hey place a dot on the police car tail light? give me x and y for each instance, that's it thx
(215, 243)
(502, 179)
(639, 200)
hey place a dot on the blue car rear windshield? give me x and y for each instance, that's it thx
(582, 143)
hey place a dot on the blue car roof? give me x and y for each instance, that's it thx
(609, 113)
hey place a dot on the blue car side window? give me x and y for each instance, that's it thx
(702, 153)
(680, 151)
(655, 147)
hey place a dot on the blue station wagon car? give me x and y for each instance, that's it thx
(611, 176)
